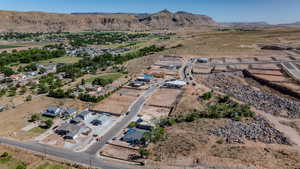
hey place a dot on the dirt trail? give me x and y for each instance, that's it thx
(289, 132)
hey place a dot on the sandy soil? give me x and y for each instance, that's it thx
(119, 102)
(150, 112)
(164, 97)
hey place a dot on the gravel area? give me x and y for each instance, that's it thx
(260, 130)
(262, 100)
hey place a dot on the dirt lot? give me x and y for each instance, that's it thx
(118, 152)
(119, 102)
(164, 97)
(151, 112)
(13, 120)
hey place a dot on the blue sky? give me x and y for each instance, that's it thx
(272, 11)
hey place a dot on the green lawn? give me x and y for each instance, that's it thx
(65, 59)
(38, 130)
(8, 46)
(110, 76)
(52, 166)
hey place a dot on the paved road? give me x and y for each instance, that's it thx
(186, 71)
(249, 63)
(292, 69)
(80, 158)
(89, 157)
(133, 111)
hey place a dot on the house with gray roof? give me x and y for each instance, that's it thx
(52, 111)
(135, 136)
(69, 112)
(84, 114)
(68, 130)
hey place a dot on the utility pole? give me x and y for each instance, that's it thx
(45, 152)
(90, 161)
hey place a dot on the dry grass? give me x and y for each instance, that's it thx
(188, 144)
(164, 97)
(13, 120)
(119, 102)
(33, 161)
(217, 44)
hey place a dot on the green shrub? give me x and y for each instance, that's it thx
(207, 96)
(22, 165)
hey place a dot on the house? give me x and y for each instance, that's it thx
(49, 68)
(84, 115)
(172, 66)
(70, 112)
(76, 120)
(33, 73)
(203, 60)
(175, 84)
(68, 131)
(145, 78)
(18, 77)
(134, 136)
(52, 111)
(136, 83)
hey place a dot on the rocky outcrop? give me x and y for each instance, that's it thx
(52, 22)
(167, 20)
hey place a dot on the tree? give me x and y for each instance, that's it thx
(23, 90)
(155, 134)
(207, 95)
(28, 98)
(59, 93)
(82, 81)
(22, 165)
(42, 70)
(48, 123)
(35, 117)
(102, 81)
(42, 88)
(132, 124)
(7, 71)
(143, 152)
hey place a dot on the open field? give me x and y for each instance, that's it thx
(217, 44)
(107, 76)
(19, 157)
(164, 97)
(149, 113)
(119, 102)
(65, 59)
(8, 46)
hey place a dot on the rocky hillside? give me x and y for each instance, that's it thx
(50, 22)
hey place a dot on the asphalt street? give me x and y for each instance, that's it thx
(76, 157)
(133, 111)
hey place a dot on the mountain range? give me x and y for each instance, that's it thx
(12, 21)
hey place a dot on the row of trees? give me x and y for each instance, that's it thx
(102, 38)
(37, 36)
(91, 65)
(28, 56)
